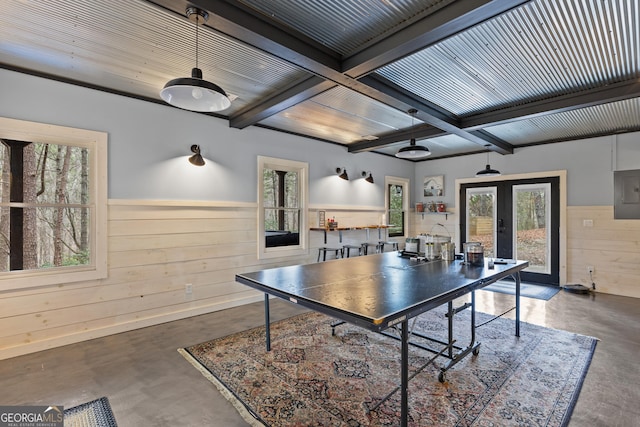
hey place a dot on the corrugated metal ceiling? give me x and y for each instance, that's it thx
(607, 119)
(347, 71)
(533, 52)
(350, 25)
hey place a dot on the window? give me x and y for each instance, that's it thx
(52, 204)
(282, 188)
(396, 202)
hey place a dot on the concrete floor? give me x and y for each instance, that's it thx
(149, 383)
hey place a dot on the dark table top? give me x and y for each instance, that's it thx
(376, 291)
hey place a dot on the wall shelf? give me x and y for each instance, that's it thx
(341, 229)
(446, 214)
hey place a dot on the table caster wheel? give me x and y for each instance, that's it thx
(442, 376)
(476, 351)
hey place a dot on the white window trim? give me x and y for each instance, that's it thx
(405, 183)
(302, 168)
(96, 142)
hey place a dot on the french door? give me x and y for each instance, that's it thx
(517, 219)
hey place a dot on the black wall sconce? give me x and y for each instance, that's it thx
(342, 173)
(196, 159)
(368, 178)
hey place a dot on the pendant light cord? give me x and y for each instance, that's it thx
(413, 112)
(197, 21)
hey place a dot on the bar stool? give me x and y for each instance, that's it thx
(367, 245)
(346, 249)
(323, 251)
(394, 245)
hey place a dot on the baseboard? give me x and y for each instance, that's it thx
(34, 347)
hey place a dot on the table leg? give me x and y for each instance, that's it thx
(404, 376)
(473, 320)
(450, 325)
(267, 322)
(518, 304)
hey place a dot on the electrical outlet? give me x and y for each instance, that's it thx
(590, 269)
(188, 292)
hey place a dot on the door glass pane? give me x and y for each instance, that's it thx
(481, 218)
(532, 236)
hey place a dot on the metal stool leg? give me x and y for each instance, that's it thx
(394, 245)
(347, 249)
(323, 251)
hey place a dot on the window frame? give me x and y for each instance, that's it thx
(96, 144)
(302, 168)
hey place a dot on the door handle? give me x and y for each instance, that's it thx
(500, 225)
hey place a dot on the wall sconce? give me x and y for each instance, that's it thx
(196, 159)
(342, 173)
(368, 178)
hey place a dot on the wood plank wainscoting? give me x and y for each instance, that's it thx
(611, 246)
(156, 248)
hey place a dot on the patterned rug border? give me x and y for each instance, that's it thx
(576, 392)
(247, 414)
(254, 420)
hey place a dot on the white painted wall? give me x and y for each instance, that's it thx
(149, 146)
(589, 164)
(156, 245)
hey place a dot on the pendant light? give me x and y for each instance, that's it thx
(413, 151)
(193, 93)
(487, 171)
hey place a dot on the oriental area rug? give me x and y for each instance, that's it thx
(311, 378)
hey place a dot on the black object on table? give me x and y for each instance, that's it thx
(382, 291)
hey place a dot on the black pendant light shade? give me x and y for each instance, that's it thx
(196, 159)
(413, 151)
(488, 171)
(368, 175)
(193, 93)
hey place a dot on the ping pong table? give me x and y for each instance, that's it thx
(383, 291)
